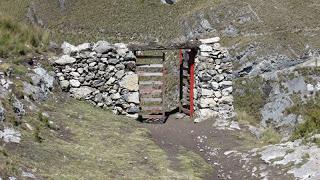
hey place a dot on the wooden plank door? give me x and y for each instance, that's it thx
(151, 72)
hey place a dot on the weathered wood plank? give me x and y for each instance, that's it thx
(151, 99)
(150, 83)
(148, 74)
(189, 44)
(151, 108)
(149, 57)
(150, 65)
(150, 91)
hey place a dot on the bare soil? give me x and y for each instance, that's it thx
(208, 142)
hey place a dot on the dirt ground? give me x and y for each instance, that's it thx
(207, 141)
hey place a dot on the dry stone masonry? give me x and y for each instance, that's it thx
(101, 73)
(104, 74)
(213, 82)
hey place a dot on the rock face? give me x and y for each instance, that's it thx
(101, 73)
(2, 114)
(213, 82)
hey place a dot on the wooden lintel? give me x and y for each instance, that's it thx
(191, 44)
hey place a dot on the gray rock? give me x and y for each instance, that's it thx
(64, 84)
(113, 61)
(215, 85)
(225, 83)
(102, 47)
(2, 114)
(65, 59)
(133, 98)
(45, 77)
(68, 49)
(18, 107)
(205, 48)
(206, 92)
(74, 83)
(133, 110)
(207, 102)
(115, 96)
(82, 92)
(111, 81)
(37, 93)
(83, 47)
(10, 135)
(120, 74)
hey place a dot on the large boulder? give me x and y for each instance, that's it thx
(130, 82)
(81, 92)
(102, 47)
(45, 77)
(35, 92)
(65, 59)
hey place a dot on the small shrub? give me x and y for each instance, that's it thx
(311, 113)
(270, 136)
(20, 39)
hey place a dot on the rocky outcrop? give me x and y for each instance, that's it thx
(101, 73)
(213, 79)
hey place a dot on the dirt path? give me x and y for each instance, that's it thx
(210, 143)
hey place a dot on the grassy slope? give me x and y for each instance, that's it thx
(92, 144)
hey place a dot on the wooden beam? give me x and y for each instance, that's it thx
(190, 44)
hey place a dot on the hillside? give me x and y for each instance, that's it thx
(265, 68)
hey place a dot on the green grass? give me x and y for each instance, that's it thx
(270, 136)
(91, 143)
(311, 114)
(193, 164)
(249, 98)
(20, 39)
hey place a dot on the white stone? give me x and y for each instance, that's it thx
(210, 40)
(81, 92)
(10, 135)
(217, 94)
(75, 83)
(75, 74)
(310, 88)
(204, 114)
(204, 54)
(133, 98)
(83, 47)
(68, 48)
(65, 59)
(115, 96)
(205, 48)
(111, 81)
(64, 84)
(226, 83)
(215, 85)
(227, 99)
(130, 82)
(206, 92)
(80, 70)
(207, 102)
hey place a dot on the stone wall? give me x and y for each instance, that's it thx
(101, 73)
(104, 74)
(213, 82)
